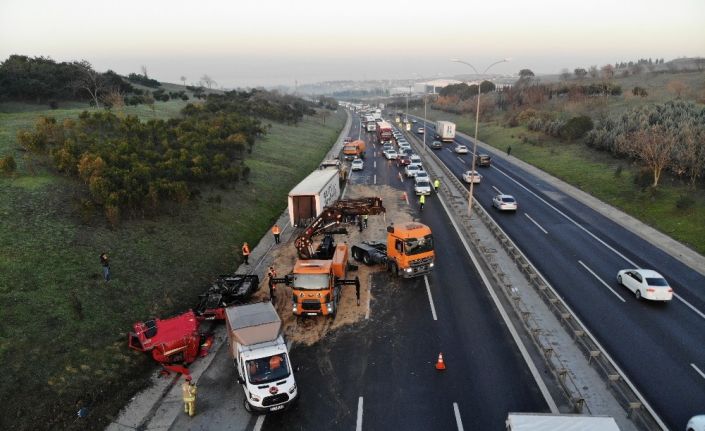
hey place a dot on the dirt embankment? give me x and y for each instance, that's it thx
(311, 329)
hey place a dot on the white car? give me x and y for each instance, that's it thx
(472, 177)
(422, 175)
(420, 131)
(411, 170)
(404, 146)
(357, 165)
(505, 203)
(696, 423)
(646, 284)
(391, 154)
(415, 158)
(461, 149)
(422, 187)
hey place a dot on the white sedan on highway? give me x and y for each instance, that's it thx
(646, 284)
(357, 165)
(472, 177)
(391, 154)
(461, 149)
(505, 202)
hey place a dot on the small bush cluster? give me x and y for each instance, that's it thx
(8, 165)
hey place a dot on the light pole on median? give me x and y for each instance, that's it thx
(477, 121)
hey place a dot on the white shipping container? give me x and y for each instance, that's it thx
(445, 130)
(317, 191)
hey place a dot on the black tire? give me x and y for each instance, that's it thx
(637, 294)
(356, 254)
(367, 259)
(249, 408)
(394, 269)
(619, 280)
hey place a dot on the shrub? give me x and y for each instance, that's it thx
(8, 165)
(618, 171)
(576, 127)
(639, 91)
(643, 178)
(685, 202)
(53, 104)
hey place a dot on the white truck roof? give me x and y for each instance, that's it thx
(253, 323)
(314, 183)
(550, 422)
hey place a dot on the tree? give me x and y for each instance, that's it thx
(692, 152)
(526, 74)
(90, 81)
(580, 73)
(207, 80)
(183, 79)
(607, 71)
(144, 71)
(677, 87)
(115, 100)
(565, 74)
(639, 91)
(593, 72)
(653, 146)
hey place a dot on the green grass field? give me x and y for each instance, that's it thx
(63, 336)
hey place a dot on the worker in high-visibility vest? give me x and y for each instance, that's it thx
(246, 253)
(276, 232)
(422, 201)
(188, 391)
(437, 184)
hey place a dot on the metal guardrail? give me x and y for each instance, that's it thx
(456, 194)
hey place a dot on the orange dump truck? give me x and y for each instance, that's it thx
(354, 149)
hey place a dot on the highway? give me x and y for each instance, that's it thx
(380, 373)
(660, 347)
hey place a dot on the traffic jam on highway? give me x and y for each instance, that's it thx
(383, 316)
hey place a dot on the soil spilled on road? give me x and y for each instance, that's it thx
(310, 330)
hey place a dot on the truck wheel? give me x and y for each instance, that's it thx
(366, 259)
(394, 269)
(357, 254)
(248, 407)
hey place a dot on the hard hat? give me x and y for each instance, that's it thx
(188, 378)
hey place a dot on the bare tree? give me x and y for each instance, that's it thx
(210, 82)
(692, 154)
(89, 80)
(607, 71)
(115, 100)
(580, 73)
(144, 71)
(183, 79)
(593, 72)
(653, 146)
(677, 87)
(565, 74)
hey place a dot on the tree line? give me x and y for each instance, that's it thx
(132, 168)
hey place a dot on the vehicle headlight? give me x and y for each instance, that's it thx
(292, 389)
(430, 265)
(408, 269)
(253, 397)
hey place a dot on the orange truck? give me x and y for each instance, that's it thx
(408, 251)
(354, 149)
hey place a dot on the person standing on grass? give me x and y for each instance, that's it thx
(509, 150)
(246, 253)
(105, 263)
(276, 232)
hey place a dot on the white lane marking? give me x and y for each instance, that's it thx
(695, 367)
(601, 280)
(375, 164)
(374, 181)
(259, 423)
(461, 160)
(512, 330)
(458, 421)
(691, 306)
(369, 296)
(688, 304)
(499, 192)
(358, 427)
(430, 298)
(534, 222)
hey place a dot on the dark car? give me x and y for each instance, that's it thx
(484, 160)
(436, 145)
(403, 160)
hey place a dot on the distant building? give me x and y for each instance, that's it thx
(434, 86)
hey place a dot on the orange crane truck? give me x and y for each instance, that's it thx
(408, 251)
(319, 275)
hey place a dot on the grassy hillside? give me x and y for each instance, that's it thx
(64, 331)
(598, 173)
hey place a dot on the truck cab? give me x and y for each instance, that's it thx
(313, 284)
(410, 250)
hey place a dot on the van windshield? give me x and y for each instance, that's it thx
(268, 369)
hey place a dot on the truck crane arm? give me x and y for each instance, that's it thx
(334, 216)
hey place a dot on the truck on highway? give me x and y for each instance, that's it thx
(354, 149)
(384, 132)
(261, 358)
(445, 130)
(371, 126)
(556, 422)
(407, 252)
(315, 192)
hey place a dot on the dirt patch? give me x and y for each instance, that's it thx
(310, 330)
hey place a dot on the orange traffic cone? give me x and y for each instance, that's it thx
(440, 365)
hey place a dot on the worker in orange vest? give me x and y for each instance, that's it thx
(276, 231)
(188, 392)
(246, 253)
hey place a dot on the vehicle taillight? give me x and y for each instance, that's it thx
(670, 290)
(650, 289)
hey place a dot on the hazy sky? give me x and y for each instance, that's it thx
(265, 42)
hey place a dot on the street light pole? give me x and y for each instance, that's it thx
(477, 122)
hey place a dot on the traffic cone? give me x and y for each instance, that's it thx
(440, 365)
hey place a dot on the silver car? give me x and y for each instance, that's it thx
(505, 203)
